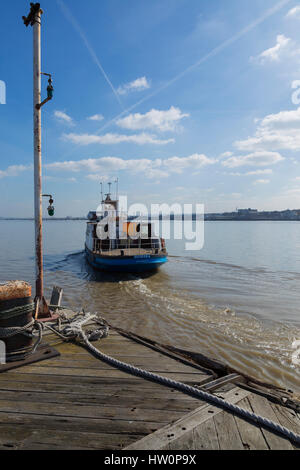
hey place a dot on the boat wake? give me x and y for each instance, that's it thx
(260, 349)
(157, 307)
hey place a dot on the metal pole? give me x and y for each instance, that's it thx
(42, 311)
(37, 117)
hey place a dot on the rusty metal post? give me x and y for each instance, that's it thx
(43, 309)
(37, 119)
(34, 19)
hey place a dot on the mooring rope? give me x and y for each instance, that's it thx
(26, 330)
(10, 331)
(74, 331)
(16, 311)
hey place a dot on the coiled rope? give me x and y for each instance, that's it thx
(26, 330)
(75, 332)
(16, 311)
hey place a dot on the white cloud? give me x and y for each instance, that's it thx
(195, 162)
(63, 117)
(139, 84)
(274, 54)
(58, 179)
(261, 182)
(110, 139)
(155, 119)
(279, 131)
(254, 173)
(14, 170)
(260, 172)
(259, 158)
(294, 12)
(226, 154)
(158, 168)
(293, 192)
(98, 177)
(96, 117)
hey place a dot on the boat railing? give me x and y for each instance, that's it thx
(127, 247)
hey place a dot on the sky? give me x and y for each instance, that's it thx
(185, 101)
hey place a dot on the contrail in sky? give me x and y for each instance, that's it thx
(209, 55)
(267, 14)
(66, 11)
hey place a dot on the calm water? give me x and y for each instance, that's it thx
(238, 299)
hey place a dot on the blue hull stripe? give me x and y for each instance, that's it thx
(127, 264)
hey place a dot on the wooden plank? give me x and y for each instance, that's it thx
(75, 381)
(251, 435)
(287, 418)
(38, 439)
(205, 436)
(124, 390)
(216, 384)
(129, 400)
(113, 373)
(56, 296)
(89, 411)
(163, 437)
(185, 442)
(68, 423)
(228, 435)
(150, 365)
(262, 407)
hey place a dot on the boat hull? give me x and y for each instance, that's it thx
(131, 264)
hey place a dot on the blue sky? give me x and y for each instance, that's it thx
(183, 100)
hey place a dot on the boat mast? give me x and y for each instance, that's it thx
(117, 193)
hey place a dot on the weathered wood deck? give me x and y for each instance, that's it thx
(76, 402)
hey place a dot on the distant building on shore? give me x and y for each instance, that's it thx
(247, 211)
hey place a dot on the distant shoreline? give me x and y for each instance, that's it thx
(207, 218)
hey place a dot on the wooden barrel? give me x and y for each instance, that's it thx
(16, 310)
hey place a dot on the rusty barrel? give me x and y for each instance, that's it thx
(16, 310)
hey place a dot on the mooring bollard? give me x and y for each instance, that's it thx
(16, 311)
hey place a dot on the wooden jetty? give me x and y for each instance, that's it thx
(75, 401)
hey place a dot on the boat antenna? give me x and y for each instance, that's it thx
(101, 184)
(109, 185)
(117, 189)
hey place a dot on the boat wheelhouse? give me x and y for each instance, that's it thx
(116, 242)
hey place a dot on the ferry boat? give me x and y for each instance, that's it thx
(115, 242)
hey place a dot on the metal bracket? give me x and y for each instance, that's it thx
(42, 311)
(39, 106)
(35, 8)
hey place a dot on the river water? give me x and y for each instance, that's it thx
(237, 299)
